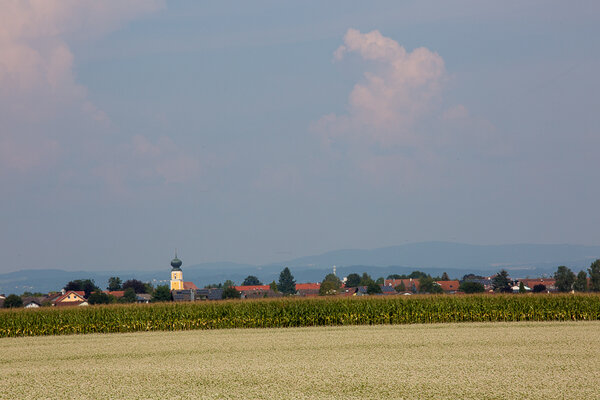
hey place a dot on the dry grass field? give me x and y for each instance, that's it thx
(459, 361)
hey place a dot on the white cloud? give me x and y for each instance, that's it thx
(395, 131)
(37, 82)
(398, 90)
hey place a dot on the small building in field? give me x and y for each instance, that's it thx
(71, 298)
(31, 302)
(143, 298)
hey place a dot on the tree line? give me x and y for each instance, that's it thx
(565, 281)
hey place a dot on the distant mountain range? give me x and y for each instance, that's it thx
(521, 260)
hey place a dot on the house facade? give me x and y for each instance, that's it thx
(71, 298)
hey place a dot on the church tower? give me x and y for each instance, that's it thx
(176, 274)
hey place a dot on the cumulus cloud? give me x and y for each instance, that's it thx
(37, 82)
(399, 89)
(395, 130)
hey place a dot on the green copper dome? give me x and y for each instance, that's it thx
(176, 263)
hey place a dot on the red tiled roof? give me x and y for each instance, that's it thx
(53, 296)
(449, 286)
(80, 294)
(530, 283)
(252, 287)
(408, 283)
(116, 293)
(189, 285)
(308, 286)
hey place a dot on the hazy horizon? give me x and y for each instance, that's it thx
(415, 262)
(259, 133)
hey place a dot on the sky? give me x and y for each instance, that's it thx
(258, 132)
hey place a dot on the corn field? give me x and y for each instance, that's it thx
(273, 313)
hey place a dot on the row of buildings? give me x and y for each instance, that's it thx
(66, 298)
(188, 291)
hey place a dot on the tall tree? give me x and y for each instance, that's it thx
(137, 286)
(86, 285)
(539, 288)
(162, 293)
(114, 283)
(417, 275)
(13, 301)
(273, 286)
(331, 284)
(373, 288)
(353, 280)
(251, 280)
(397, 276)
(228, 283)
(148, 287)
(328, 288)
(428, 285)
(445, 277)
(501, 282)
(287, 284)
(366, 279)
(564, 279)
(472, 287)
(594, 272)
(401, 287)
(334, 279)
(98, 297)
(581, 284)
(213, 285)
(230, 293)
(522, 287)
(128, 296)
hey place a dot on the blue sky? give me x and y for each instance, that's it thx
(267, 131)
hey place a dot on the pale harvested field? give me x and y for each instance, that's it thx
(551, 360)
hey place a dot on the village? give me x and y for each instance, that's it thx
(85, 292)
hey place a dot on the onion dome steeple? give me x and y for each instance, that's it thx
(176, 262)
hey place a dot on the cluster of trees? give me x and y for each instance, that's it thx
(566, 280)
(330, 285)
(418, 275)
(131, 288)
(373, 286)
(286, 285)
(13, 301)
(427, 283)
